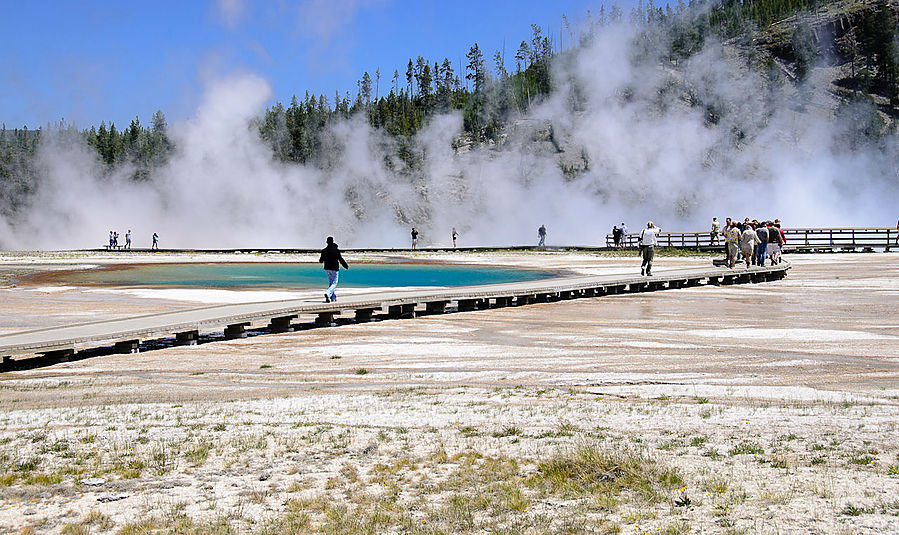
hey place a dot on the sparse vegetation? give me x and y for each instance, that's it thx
(747, 448)
(465, 472)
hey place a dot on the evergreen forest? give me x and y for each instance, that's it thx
(490, 89)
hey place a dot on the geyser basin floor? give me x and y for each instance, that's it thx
(795, 433)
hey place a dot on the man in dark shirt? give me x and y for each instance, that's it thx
(332, 260)
(761, 249)
(414, 237)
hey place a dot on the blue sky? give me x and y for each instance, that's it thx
(89, 60)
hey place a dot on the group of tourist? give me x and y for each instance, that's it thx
(752, 242)
(619, 235)
(114, 240)
(415, 237)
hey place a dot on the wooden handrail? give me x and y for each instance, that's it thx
(835, 237)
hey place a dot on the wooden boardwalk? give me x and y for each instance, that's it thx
(125, 335)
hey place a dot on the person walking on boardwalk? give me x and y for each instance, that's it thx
(455, 235)
(616, 236)
(332, 259)
(155, 241)
(648, 241)
(732, 242)
(414, 237)
(781, 240)
(128, 239)
(541, 234)
(761, 250)
(716, 230)
(748, 240)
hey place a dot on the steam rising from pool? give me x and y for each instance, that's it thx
(640, 149)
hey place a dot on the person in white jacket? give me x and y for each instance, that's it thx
(748, 240)
(648, 241)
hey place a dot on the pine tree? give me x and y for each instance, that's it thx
(476, 70)
(365, 88)
(522, 56)
(500, 66)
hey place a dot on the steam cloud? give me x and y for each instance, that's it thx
(643, 151)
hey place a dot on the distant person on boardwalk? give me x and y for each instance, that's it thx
(716, 230)
(748, 240)
(128, 239)
(541, 234)
(616, 236)
(623, 234)
(414, 238)
(455, 235)
(115, 239)
(155, 241)
(110, 239)
(332, 259)
(648, 241)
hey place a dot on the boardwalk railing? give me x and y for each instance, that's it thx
(126, 334)
(798, 239)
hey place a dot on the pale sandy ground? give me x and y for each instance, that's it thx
(777, 404)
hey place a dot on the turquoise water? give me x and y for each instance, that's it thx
(269, 275)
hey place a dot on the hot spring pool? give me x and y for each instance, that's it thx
(277, 275)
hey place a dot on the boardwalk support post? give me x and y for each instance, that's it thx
(236, 330)
(436, 307)
(281, 324)
(637, 287)
(187, 338)
(401, 311)
(524, 299)
(127, 346)
(326, 319)
(365, 314)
